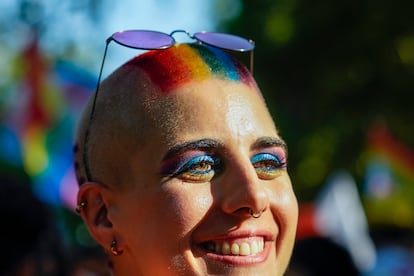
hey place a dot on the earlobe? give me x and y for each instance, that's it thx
(93, 209)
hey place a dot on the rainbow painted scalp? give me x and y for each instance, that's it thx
(182, 63)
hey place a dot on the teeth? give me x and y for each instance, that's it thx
(235, 249)
(225, 249)
(244, 248)
(218, 248)
(254, 248)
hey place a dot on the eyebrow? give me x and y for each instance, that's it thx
(264, 142)
(211, 144)
(193, 145)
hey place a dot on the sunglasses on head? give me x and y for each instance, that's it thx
(154, 40)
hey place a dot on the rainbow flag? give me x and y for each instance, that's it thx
(389, 179)
(37, 130)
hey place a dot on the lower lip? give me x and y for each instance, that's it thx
(239, 259)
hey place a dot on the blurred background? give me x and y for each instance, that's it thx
(338, 77)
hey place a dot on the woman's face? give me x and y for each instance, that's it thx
(186, 208)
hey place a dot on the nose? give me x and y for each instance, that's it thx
(241, 192)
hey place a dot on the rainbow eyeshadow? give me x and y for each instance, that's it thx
(183, 63)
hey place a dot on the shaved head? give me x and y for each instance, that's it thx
(134, 100)
(178, 160)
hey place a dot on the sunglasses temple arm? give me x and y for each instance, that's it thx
(99, 80)
(251, 61)
(86, 140)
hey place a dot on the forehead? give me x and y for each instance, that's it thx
(183, 63)
(212, 108)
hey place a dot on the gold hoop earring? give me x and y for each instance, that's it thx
(115, 251)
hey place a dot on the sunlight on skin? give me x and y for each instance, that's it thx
(210, 152)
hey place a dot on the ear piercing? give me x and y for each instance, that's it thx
(255, 215)
(115, 251)
(113, 248)
(80, 206)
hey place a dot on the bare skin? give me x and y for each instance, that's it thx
(175, 198)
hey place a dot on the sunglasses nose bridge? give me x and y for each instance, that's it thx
(181, 31)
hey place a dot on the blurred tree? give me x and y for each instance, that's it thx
(330, 70)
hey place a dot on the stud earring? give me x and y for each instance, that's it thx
(80, 206)
(115, 251)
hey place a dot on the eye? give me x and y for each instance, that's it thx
(199, 169)
(268, 166)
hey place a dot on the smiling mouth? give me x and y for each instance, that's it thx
(242, 247)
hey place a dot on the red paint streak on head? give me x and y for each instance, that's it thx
(164, 67)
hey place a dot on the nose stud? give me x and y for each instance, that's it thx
(255, 215)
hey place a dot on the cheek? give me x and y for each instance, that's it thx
(284, 205)
(186, 204)
(164, 218)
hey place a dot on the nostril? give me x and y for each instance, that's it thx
(243, 210)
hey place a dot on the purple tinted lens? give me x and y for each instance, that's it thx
(225, 41)
(141, 39)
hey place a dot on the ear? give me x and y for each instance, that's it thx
(95, 212)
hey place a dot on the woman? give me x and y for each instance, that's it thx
(182, 170)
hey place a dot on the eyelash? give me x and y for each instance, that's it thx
(203, 168)
(268, 166)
